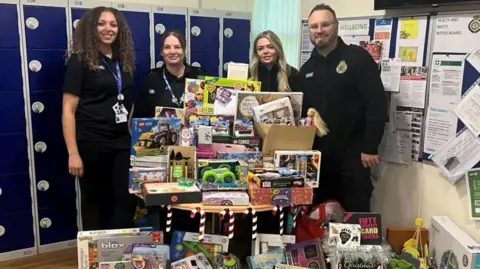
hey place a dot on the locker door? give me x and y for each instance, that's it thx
(78, 8)
(17, 236)
(204, 35)
(167, 19)
(138, 18)
(236, 38)
(45, 27)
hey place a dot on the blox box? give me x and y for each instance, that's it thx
(451, 247)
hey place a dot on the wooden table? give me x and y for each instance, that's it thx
(237, 209)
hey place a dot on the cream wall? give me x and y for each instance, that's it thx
(232, 5)
(405, 193)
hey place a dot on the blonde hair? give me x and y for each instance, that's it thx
(283, 70)
(318, 122)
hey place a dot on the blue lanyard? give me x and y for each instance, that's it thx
(118, 77)
(177, 102)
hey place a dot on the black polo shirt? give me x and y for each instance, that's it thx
(154, 90)
(97, 92)
(345, 87)
(269, 77)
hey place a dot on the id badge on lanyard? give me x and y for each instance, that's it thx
(121, 113)
(175, 100)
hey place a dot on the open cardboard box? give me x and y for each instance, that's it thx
(284, 137)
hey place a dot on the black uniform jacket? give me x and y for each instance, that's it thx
(154, 90)
(345, 87)
(269, 78)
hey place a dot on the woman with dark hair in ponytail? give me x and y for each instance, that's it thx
(165, 86)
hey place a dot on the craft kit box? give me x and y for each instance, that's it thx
(280, 196)
(185, 244)
(222, 174)
(94, 247)
(306, 254)
(451, 247)
(306, 162)
(150, 138)
(198, 261)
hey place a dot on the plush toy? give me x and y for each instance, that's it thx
(313, 118)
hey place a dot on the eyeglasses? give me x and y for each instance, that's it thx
(325, 24)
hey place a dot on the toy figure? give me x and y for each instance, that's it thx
(140, 262)
(314, 117)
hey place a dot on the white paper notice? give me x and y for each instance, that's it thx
(440, 127)
(455, 27)
(458, 155)
(468, 110)
(413, 86)
(446, 78)
(474, 57)
(390, 75)
(411, 35)
(306, 45)
(383, 33)
(396, 147)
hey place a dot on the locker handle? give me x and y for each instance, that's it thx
(45, 223)
(2, 230)
(43, 185)
(40, 147)
(38, 107)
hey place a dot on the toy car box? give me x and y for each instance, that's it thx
(451, 247)
(94, 247)
(150, 137)
(253, 159)
(185, 244)
(156, 194)
(140, 175)
(222, 174)
(306, 162)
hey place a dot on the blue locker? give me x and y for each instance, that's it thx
(167, 19)
(46, 40)
(236, 38)
(138, 18)
(204, 34)
(78, 8)
(16, 218)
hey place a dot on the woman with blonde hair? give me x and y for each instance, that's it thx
(269, 64)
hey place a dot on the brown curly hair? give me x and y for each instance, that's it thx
(85, 40)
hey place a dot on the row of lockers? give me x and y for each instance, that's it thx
(38, 200)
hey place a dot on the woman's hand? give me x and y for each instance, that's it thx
(75, 165)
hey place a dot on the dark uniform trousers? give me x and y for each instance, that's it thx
(105, 200)
(346, 181)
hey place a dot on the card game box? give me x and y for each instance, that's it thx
(185, 244)
(306, 254)
(371, 224)
(151, 137)
(306, 162)
(344, 235)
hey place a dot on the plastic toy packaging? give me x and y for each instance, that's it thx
(276, 112)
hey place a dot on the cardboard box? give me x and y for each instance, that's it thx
(279, 137)
(396, 237)
(451, 247)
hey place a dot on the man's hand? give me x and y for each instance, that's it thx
(369, 161)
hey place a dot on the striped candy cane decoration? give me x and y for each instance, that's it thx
(254, 223)
(231, 223)
(222, 214)
(274, 210)
(169, 219)
(281, 219)
(295, 210)
(194, 212)
(201, 232)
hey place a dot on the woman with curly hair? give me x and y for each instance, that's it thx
(97, 98)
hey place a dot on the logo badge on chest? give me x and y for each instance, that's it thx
(342, 67)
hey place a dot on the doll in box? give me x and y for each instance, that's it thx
(313, 119)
